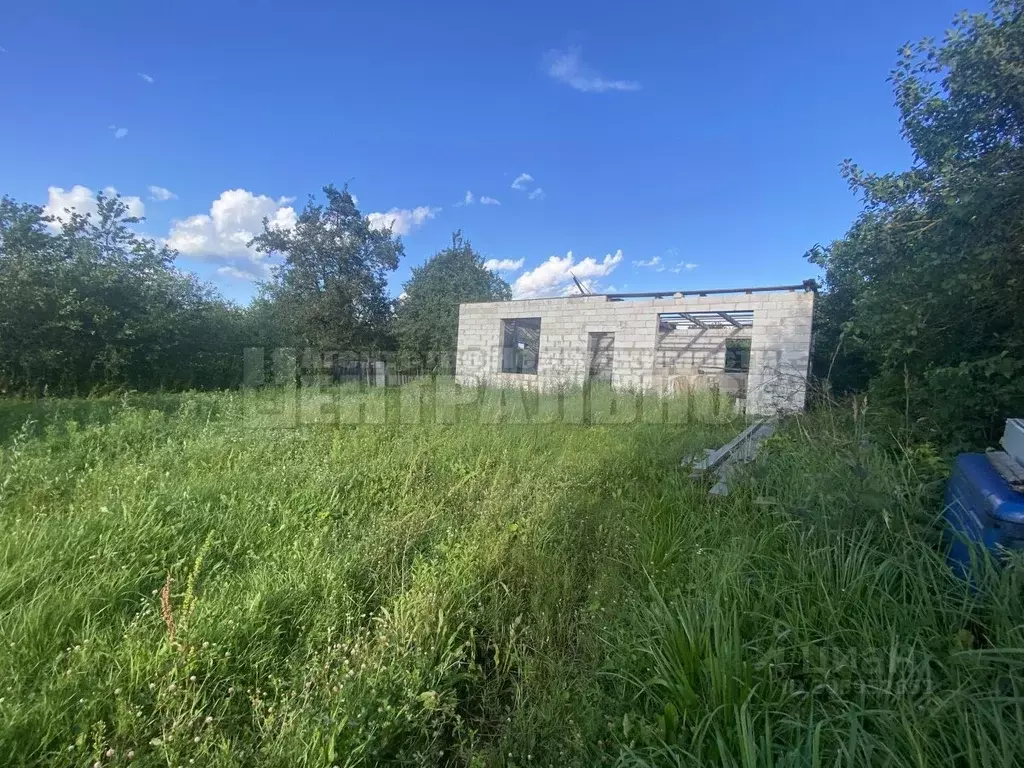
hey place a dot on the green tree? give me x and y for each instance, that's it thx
(95, 305)
(427, 317)
(331, 291)
(924, 297)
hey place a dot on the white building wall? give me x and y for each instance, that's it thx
(779, 350)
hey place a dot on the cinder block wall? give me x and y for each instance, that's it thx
(779, 348)
(696, 357)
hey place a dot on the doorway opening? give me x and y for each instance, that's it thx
(601, 347)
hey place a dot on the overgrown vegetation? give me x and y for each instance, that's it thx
(94, 305)
(88, 305)
(924, 297)
(427, 575)
(185, 579)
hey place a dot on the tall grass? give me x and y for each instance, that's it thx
(431, 577)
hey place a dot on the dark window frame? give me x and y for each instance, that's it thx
(520, 345)
(737, 352)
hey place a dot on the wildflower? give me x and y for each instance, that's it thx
(209, 718)
(166, 611)
(192, 679)
(130, 754)
(109, 753)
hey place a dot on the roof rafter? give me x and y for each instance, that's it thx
(732, 320)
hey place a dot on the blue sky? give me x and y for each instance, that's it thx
(695, 137)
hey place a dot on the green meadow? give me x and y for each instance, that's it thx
(420, 576)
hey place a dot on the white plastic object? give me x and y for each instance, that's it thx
(1013, 439)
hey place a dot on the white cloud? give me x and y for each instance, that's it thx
(681, 266)
(119, 133)
(485, 200)
(468, 199)
(249, 273)
(161, 193)
(553, 276)
(504, 265)
(402, 220)
(590, 286)
(148, 78)
(521, 181)
(567, 67)
(537, 194)
(234, 219)
(82, 200)
(651, 262)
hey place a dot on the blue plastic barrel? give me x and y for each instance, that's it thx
(981, 509)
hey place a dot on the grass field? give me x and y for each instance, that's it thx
(232, 580)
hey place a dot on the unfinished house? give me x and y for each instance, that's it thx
(754, 343)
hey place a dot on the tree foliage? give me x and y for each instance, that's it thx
(331, 291)
(86, 303)
(924, 297)
(95, 305)
(427, 318)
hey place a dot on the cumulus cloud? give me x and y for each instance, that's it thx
(234, 219)
(521, 181)
(537, 194)
(223, 234)
(651, 262)
(81, 199)
(161, 193)
(148, 78)
(554, 276)
(402, 220)
(247, 272)
(119, 133)
(681, 266)
(468, 199)
(567, 67)
(504, 265)
(485, 200)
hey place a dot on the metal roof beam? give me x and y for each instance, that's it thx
(806, 285)
(732, 320)
(699, 323)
